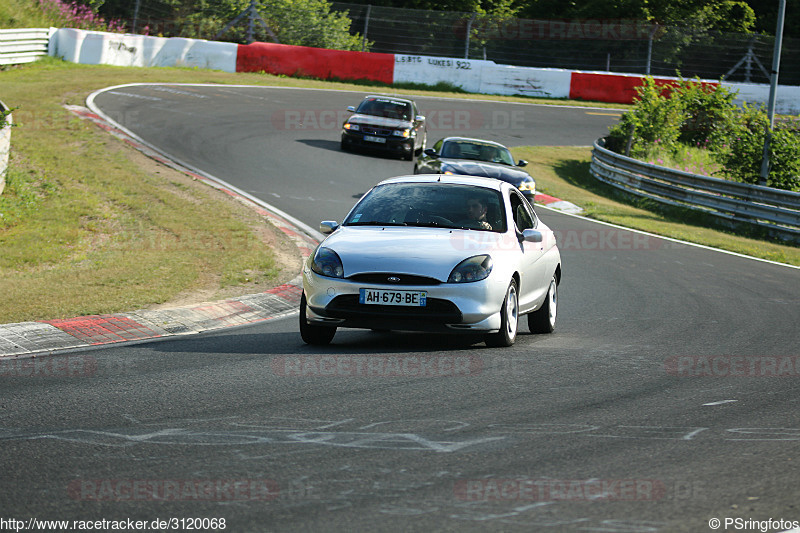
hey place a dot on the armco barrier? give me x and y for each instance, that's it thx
(320, 63)
(23, 45)
(775, 210)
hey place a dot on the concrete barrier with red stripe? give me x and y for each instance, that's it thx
(613, 88)
(303, 61)
(91, 47)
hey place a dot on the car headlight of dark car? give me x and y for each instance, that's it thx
(326, 262)
(472, 269)
(351, 127)
(527, 185)
(405, 133)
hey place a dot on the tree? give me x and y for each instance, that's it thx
(298, 22)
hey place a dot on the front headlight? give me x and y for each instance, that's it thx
(327, 263)
(402, 133)
(473, 269)
(528, 186)
(351, 127)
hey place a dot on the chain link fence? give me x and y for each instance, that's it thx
(615, 45)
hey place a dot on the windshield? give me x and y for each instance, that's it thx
(385, 107)
(478, 151)
(444, 205)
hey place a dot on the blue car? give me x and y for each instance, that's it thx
(476, 157)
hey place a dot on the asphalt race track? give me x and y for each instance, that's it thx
(667, 397)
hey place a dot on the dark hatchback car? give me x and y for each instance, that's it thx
(386, 123)
(476, 157)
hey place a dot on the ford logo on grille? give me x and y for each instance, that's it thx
(393, 279)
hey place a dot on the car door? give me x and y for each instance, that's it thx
(533, 285)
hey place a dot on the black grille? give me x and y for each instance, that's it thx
(370, 130)
(436, 310)
(383, 279)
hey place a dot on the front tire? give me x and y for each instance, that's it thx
(508, 321)
(543, 320)
(314, 335)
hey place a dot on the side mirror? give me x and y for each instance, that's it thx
(431, 152)
(532, 235)
(351, 108)
(420, 118)
(522, 163)
(326, 227)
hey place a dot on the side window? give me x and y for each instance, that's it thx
(523, 218)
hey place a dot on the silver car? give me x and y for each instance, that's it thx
(443, 253)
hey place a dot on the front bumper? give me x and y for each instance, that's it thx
(451, 307)
(398, 145)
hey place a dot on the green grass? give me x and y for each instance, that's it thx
(89, 226)
(563, 172)
(22, 14)
(688, 159)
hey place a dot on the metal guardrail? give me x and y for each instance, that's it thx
(23, 45)
(775, 210)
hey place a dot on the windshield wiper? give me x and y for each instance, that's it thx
(376, 223)
(434, 224)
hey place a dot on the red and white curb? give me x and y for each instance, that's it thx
(29, 338)
(557, 204)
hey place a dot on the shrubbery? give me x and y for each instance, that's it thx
(689, 113)
(77, 15)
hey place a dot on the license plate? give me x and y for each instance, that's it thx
(374, 139)
(389, 297)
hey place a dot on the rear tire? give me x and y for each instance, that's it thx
(314, 335)
(543, 320)
(509, 320)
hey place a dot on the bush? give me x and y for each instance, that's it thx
(692, 114)
(708, 112)
(653, 123)
(742, 151)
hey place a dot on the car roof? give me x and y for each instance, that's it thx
(388, 97)
(472, 139)
(487, 183)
